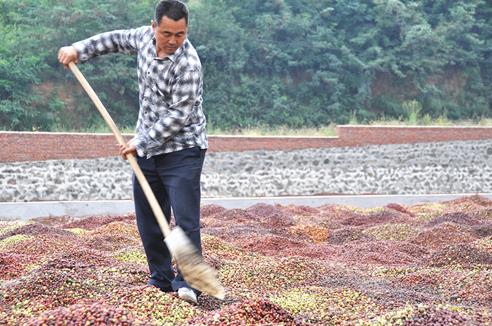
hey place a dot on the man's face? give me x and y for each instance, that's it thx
(169, 35)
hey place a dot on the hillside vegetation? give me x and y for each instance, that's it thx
(294, 63)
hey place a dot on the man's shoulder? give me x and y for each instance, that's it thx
(189, 60)
(145, 32)
(142, 34)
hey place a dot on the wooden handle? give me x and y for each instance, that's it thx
(159, 215)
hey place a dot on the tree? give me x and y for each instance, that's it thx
(266, 62)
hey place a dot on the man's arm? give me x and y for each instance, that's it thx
(125, 41)
(185, 92)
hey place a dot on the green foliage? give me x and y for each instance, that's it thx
(412, 110)
(295, 63)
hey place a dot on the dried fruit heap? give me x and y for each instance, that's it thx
(290, 265)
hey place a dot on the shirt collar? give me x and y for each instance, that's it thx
(176, 54)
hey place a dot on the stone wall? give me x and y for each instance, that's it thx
(423, 168)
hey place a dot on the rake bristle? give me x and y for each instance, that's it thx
(196, 272)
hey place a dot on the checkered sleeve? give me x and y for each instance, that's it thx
(125, 41)
(185, 92)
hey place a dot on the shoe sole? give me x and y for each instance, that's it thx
(188, 298)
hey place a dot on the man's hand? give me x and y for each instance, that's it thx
(129, 148)
(67, 54)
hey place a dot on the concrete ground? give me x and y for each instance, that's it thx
(28, 210)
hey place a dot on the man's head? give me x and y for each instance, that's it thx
(172, 9)
(170, 26)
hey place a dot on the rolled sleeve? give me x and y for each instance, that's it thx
(139, 142)
(125, 41)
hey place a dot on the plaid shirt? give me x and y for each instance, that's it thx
(170, 116)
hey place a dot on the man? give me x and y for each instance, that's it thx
(170, 139)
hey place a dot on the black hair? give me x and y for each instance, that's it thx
(173, 9)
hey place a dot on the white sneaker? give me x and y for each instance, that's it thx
(187, 295)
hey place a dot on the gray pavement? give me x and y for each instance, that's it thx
(28, 210)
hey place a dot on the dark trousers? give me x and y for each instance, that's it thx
(175, 180)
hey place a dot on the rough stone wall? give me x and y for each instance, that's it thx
(424, 168)
(90, 179)
(456, 167)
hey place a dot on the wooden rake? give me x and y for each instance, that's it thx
(196, 272)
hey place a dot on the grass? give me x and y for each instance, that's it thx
(414, 119)
(426, 121)
(329, 130)
(324, 131)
